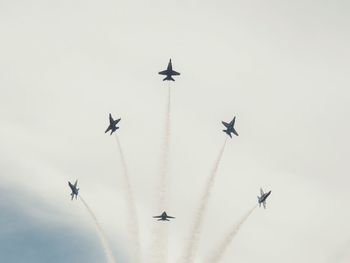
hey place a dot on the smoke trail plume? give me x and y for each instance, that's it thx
(165, 154)
(192, 246)
(160, 242)
(220, 250)
(106, 247)
(133, 223)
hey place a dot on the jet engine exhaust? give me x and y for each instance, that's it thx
(192, 246)
(133, 223)
(220, 250)
(103, 239)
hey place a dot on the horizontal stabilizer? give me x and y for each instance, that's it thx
(168, 78)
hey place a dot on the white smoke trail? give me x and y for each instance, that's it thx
(106, 247)
(133, 223)
(220, 250)
(160, 242)
(192, 246)
(165, 154)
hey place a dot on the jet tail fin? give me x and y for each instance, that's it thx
(228, 133)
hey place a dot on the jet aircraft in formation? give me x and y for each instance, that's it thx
(169, 72)
(163, 217)
(262, 198)
(74, 189)
(229, 127)
(112, 124)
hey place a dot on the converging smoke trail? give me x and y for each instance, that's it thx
(160, 242)
(133, 223)
(103, 239)
(192, 246)
(220, 250)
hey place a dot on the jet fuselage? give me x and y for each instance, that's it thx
(169, 72)
(163, 217)
(112, 124)
(230, 127)
(264, 197)
(74, 189)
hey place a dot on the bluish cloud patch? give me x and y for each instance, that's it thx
(25, 238)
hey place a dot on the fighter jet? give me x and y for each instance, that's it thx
(163, 217)
(262, 198)
(112, 124)
(229, 127)
(169, 72)
(74, 189)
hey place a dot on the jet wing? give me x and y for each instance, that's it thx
(261, 191)
(116, 121)
(225, 124)
(109, 128)
(264, 204)
(164, 72)
(157, 217)
(110, 118)
(234, 131)
(173, 72)
(170, 217)
(75, 184)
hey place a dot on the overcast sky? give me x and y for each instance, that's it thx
(282, 67)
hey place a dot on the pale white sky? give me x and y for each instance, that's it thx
(280, 66)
